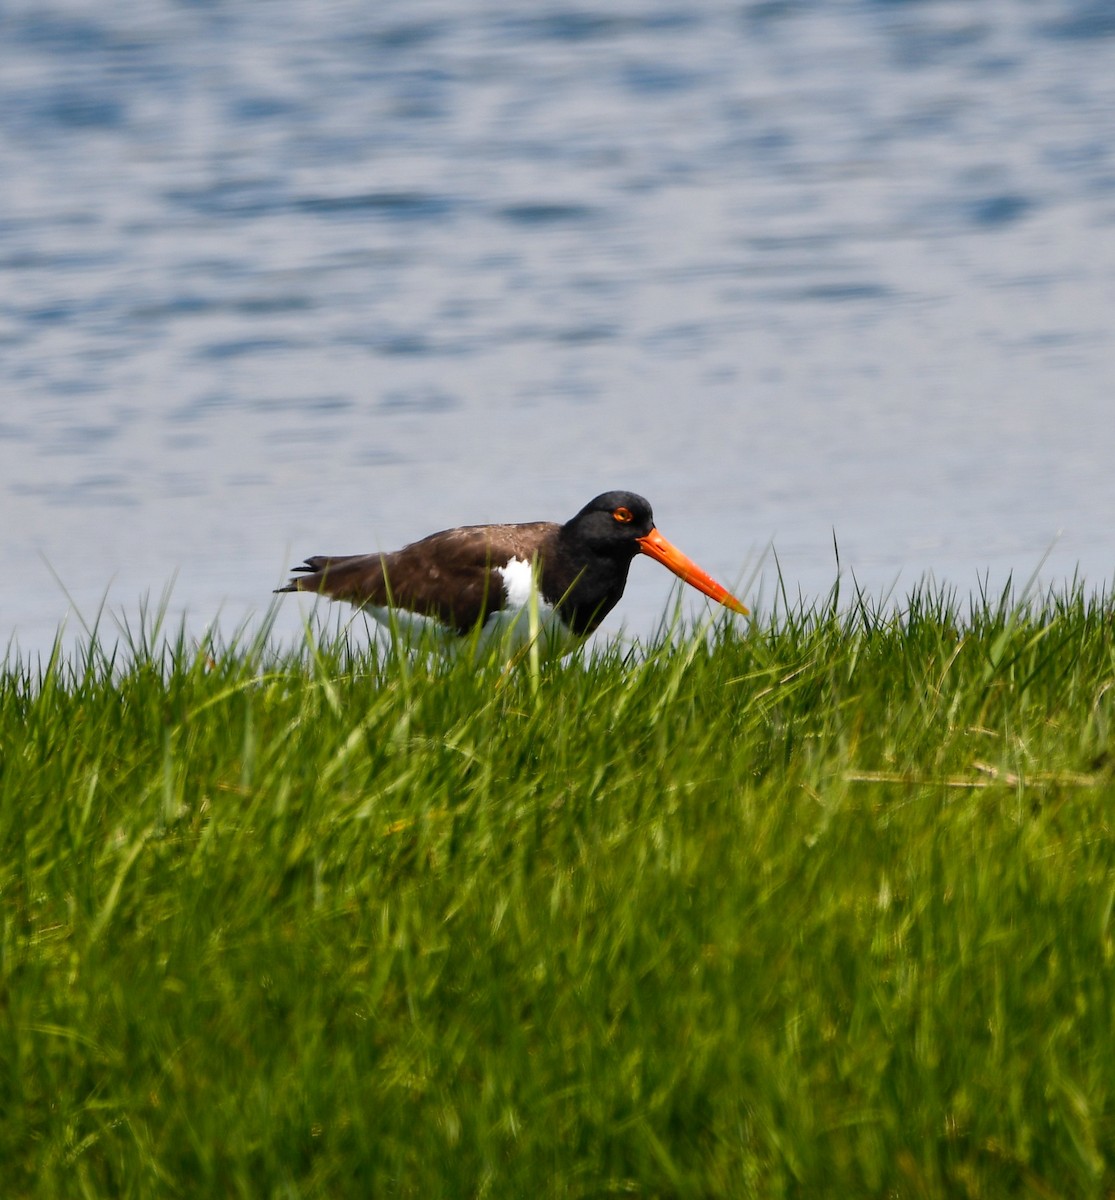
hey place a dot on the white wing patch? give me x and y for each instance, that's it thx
(518, 583)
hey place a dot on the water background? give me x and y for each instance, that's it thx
(280, 278)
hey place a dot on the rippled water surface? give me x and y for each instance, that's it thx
(280, 278)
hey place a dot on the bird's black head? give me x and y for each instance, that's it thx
(612, 524)
(595, 550)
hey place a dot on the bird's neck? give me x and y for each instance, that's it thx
(585, 584)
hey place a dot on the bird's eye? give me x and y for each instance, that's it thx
(623, 514)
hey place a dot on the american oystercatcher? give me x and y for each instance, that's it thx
(482, 576)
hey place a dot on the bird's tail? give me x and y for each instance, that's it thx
(340, 577)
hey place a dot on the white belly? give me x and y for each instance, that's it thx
(510, 627)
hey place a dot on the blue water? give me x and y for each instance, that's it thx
(279, 278)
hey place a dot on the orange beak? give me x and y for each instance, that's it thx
(656, 546)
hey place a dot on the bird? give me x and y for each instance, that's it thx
(483, 577)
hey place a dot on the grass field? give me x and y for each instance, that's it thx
(817, 906)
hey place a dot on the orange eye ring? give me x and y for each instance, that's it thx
(623, 515)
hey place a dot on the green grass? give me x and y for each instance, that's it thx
(819, 906)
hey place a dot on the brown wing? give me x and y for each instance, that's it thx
(448, 575)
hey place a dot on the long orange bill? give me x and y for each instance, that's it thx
(656, 546)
